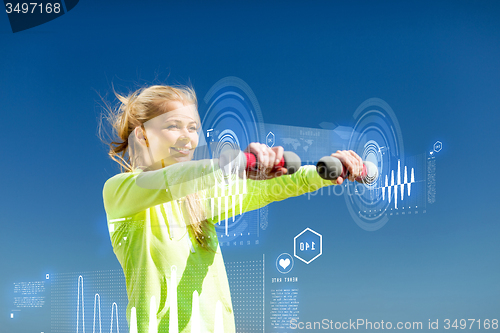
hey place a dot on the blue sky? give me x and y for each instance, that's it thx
(436, 63)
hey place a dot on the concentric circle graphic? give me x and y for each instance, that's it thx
(233, 120)
(226, 140)
(377, 138)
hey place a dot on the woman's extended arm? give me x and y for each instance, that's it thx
(129, 193)
(246, 195)
(241, 196)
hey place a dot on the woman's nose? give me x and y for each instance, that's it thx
(184, 133)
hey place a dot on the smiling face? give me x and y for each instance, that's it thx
(171, 136)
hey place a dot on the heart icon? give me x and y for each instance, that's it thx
(284, 263)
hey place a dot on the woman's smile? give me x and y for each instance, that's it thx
(180, 150)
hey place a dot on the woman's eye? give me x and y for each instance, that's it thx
(172, 126)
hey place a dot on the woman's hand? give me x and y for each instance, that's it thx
(352, 162)
(268, 159)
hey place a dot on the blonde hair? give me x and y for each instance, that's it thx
(136, 109)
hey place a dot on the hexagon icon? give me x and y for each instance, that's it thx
(308, 245)
(438, 146)
(270, 139)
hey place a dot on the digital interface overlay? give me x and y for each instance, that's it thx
(269, 284)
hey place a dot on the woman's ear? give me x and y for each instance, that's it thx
(140, 135)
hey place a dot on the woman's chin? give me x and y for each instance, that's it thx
(182, 158)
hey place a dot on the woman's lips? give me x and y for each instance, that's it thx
(183, 151)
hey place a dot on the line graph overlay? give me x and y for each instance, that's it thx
(97, 310)
(408, 184)
(88, 302)
(395, 183)
(400, 190)
(233, 119)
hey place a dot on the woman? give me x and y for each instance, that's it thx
(161, 211)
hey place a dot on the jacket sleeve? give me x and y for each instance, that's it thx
(123, 197)
(129, 193)
(247, 195)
